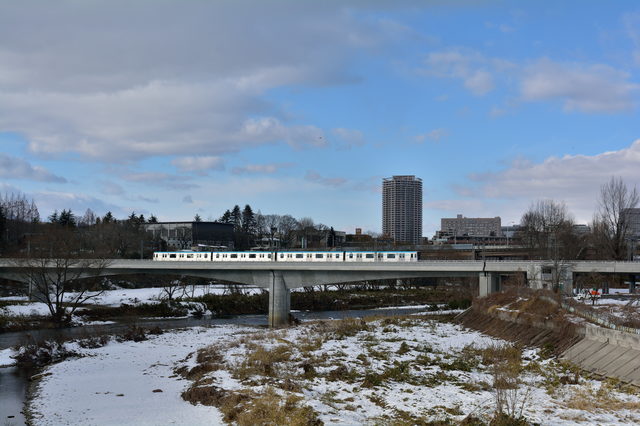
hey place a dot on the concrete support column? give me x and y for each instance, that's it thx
(279, 301)
(632, 283)
(534, 277)
(488, 283)
(566, 281)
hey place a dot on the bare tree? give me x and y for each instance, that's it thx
(61, 272)
(613, 216)
(546, 230)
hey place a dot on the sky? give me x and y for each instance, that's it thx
(185, 107)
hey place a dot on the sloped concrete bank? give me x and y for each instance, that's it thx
(609, 353)
(602, 351)
(523, 329)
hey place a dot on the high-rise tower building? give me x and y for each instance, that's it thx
(402, 208)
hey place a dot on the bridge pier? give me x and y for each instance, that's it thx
(279, 300)
(488, 283)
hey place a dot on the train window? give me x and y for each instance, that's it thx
(401, 255)
(391, 256)
(337, 256)
(380, 255)
(350, 255)
(233, 256)
(172, 256)
(189, 256)
(289, 256)
(299, 256)
(217, 255)
(319, 256)
(369, 255)
(252, 256)
(281, 255)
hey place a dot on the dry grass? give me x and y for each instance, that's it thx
(603, 399)
(268, 408)
(262, 361)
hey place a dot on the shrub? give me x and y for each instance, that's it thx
(43, 353)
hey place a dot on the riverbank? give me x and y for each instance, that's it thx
(16, 313)
(404, 369)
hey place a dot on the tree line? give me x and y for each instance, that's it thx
(547, 229)
(251, 229)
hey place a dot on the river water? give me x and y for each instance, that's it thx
(14, 381)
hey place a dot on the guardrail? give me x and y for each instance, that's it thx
(592, 316)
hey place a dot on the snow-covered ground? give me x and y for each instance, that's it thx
(358, 373)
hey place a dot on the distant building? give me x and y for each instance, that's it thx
(632, 216)
(461, 226)
(188, 235)
(402, 209)
(581, 229)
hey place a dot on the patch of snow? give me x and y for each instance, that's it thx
(5, 357)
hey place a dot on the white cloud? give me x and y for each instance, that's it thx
(581, 87)
(435, 135)
(474, 69)
(160, 179)
(349, 137)
(575, 179)
(260, 168)
(49, 201)
(17, 168)
(118, 81)
(112, 188)
(198, 164)
(313, 176)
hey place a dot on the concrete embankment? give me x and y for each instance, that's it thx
(609, 353)
(522, 329)
(602, 351)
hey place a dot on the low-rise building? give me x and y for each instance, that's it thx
(192, 235)
(461, 226)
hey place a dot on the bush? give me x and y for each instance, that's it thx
(43, 353)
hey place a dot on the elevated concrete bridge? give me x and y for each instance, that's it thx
(280, 277)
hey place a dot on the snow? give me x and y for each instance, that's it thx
(87, 390)
(114, 385)
(5, 357)
(30, 309)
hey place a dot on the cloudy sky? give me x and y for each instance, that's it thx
(179, 108)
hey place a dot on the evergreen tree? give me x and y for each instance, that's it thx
(3, 224)
(108, 218)
(197, 218)
(248, 220)
(226, 217)
(236, 218)
(67, 218)
(152, 219)
(53, 218)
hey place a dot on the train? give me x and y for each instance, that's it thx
(286, 256)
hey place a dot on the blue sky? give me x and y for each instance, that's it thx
(179, 108)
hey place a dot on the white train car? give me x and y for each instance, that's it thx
(381, 256)
(182, 256)
(242, 256)
(309, 256)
